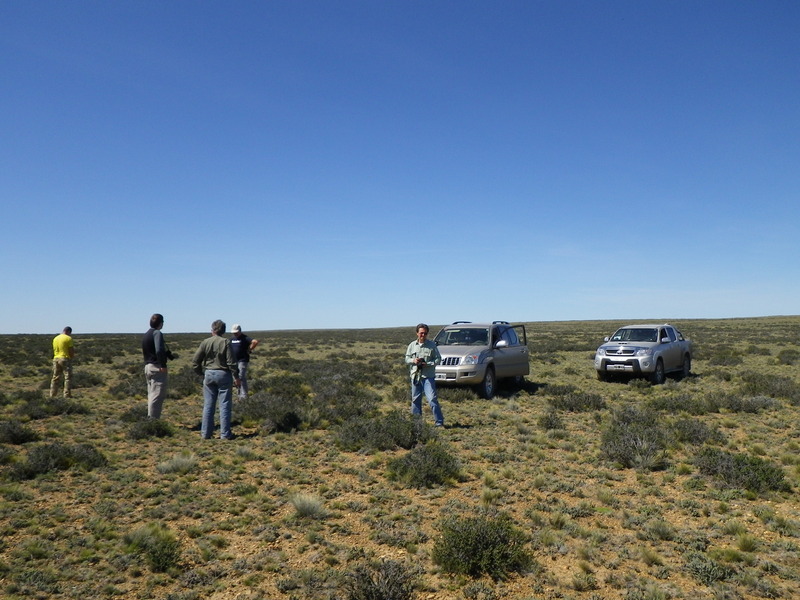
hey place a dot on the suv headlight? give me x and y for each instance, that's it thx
(644, 352)
(601, 352)
(471, 359)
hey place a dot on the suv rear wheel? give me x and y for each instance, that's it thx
(486, 387)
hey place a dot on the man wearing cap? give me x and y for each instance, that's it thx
(63, 353)
(241, 346)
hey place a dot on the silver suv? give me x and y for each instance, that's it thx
(480, 354)
(644, 350)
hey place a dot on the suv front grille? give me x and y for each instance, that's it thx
(451, 361)
(620, 352)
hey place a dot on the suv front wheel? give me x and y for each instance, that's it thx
(486, 387)
(657, 377)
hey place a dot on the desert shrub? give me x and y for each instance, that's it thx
(85, 379)
(180, 463)
(275, 413)
(635, 438)
(131, 384)
(350, 403)
(758, 383)
(14, 432)
(706, 570)
(134, 414)
(692, 431)
(725, 357)
(559, 389)
(749, 404)
(692, 404)
(39, 407)
(386, 432)
(157, 544)
(577, 401)
(449, 395)
(183, 382)
(389, 580)
(150, 428)
(789, 356)
(481, 545)
(58, 457)
(741, 470)
(279, 403)
(550, 420)
(425, 466)
(308, 506)
(6, 455)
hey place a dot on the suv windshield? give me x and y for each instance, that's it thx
(463, 336)
(635, 335)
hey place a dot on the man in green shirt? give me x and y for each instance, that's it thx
(422, 355)
(214, 360)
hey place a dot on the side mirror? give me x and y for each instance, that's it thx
(501, 344)
(605, 339)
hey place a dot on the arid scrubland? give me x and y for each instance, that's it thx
(567, 488)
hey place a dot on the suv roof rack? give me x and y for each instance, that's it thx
(499, 322)
(460, 322)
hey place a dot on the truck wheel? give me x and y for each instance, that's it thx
(657, 377)
(601, 376)
(687, 367)
(486, 387)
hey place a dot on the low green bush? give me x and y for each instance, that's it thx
(388, 580)
(14, 432)
(157, 544)
(397, 429)
(577, 401)
(58, 457)
(481, 545)
(38, 407)
(150, 428)
(183, 382)
(706, 570)
(635, 438)
(425, 466)
(760, 383)
(551, 420)
(789, 356)
(741, 470)
(692, 431)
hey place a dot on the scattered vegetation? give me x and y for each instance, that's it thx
(562, 487)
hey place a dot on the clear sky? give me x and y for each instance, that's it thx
(291, 164)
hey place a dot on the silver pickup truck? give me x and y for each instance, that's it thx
(644, 351)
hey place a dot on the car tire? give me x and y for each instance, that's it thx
(602, 376)
(687, 367)
(657, 377)
(487, 387)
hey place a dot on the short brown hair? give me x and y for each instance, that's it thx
(218, 327)
(423, 326)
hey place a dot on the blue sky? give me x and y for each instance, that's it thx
(293, 164)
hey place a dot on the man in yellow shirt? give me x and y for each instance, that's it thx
(63, 352)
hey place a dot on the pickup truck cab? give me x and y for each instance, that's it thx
(644, 351)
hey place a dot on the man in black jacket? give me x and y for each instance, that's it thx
(155, 355)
